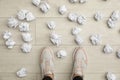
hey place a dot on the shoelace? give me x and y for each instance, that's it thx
(78, 66)
(47, 69)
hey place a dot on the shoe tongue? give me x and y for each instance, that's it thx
(82, 66)
(48, 72)
(79, 73)
(82, 61)
(49, 68)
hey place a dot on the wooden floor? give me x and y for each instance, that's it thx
(99, 63)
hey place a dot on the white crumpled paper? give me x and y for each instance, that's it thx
(12, 22)
(30, 16)
(25, 15)
(24, 27)
(27, 37)
(73, 1)
(61, 54)
(22, 14)
(44, 7)
(22, 73)
(82, 1)
(78, 40)
(55, 39)
(26, 48)
(108, 49)
(62, 9)
(76, 30)
(95, 39)
(72, 17)
(110, 76)
(81, 20)
(118, 54)
(111, 23)
(113, 18)
(10, 43)
(98, 16)
(115, 15)
(7, 35)
(36, 2)
(51, 25)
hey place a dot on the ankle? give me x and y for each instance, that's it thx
(78, 78)
(50, 75)
(75, 75)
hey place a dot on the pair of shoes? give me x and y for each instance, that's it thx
(47, 62)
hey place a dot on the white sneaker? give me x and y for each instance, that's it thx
(47, 62)
(80, 61)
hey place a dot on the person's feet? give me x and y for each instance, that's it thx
(80, 62)
(47, 62)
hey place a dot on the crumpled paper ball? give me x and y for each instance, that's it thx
(22, 14)
(10, 43)
(105, 0)
(79, 40)
(36, 2)
(51, 25)
(12, 22)
(55, 39)
(76, 30)
(110, 76)
(83, 1)
(7, 35)
(44, 7)
(111, 23)
(27, 37)
(113, 18)
(25, 15)
(81, 20)
(95, 39)
(22, 73)
(108, 49)
(73, 1)
(72, 17)
(62, 9)
(61, 54)
(115, 15)
(118, 54)
(30, 16)
(24, 27)
(26, 48)
(98, 16)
